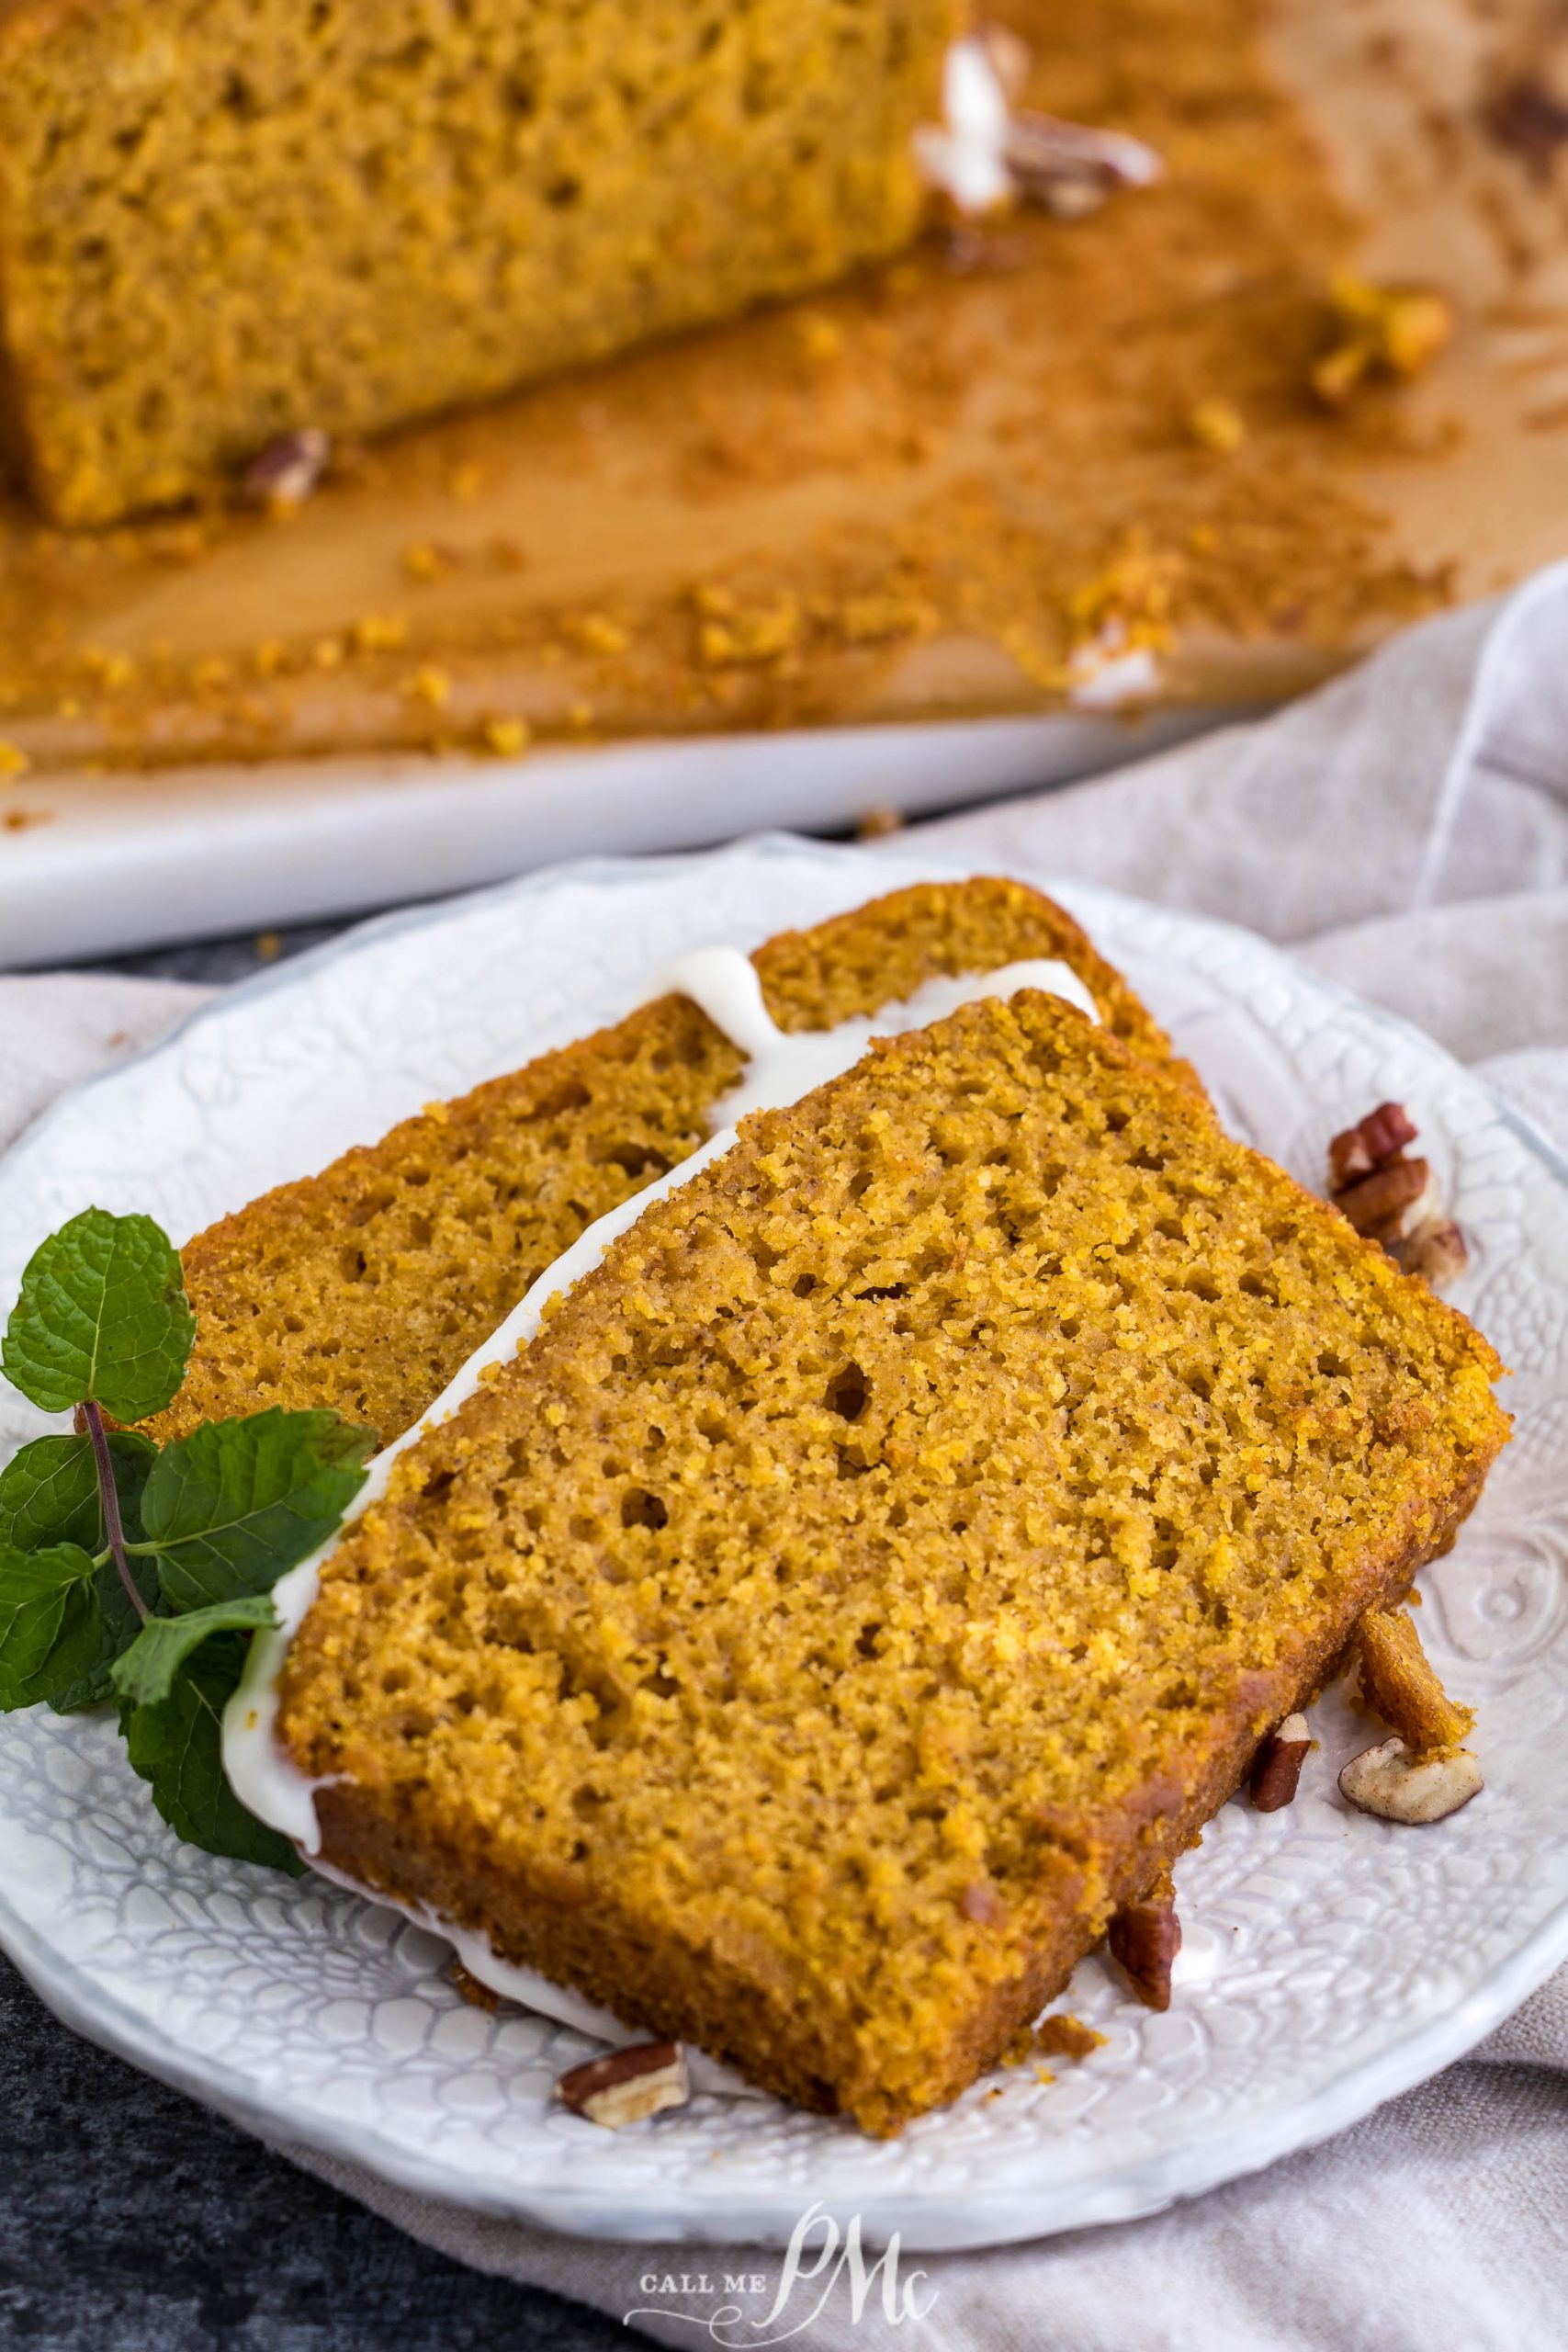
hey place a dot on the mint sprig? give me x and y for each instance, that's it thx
(147, 1671)
(48, 1622)
(135, 1574)
(223, 1506)
(49, 1492)
(176, 1746)
(103, 1318)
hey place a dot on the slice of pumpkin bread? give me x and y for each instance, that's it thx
(222, 223)
(366, 1287)
(877, 1570)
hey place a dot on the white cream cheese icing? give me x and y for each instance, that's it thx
(781, 1067)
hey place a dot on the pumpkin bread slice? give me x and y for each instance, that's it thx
(876, 1571)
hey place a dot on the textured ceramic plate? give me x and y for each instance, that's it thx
(1331, 1960)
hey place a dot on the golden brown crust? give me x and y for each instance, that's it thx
(877, 1571)
(366, 1287)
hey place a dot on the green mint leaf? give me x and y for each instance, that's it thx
(103, 1314)
(175, 1747)
(234, 1505)
(146, 1672)
(49, 1492)
(49, 1628)
(119, 1626)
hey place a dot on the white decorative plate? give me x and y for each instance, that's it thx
(1331, 1960)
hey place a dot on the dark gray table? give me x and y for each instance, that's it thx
(133, 2220)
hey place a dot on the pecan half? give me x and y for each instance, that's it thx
(1393, 1199)
(1396, 1785)
(1436, 1251)
(289, 470)
(628, 2085)
(1370, 1144)
(1145, 1938)
(1277, 1767)
(1388, 1204)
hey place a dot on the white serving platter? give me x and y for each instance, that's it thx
(117, 863)
(1331, 1961)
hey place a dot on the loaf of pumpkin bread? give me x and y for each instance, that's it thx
(221, 223)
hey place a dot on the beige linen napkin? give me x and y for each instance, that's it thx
(1406, 831)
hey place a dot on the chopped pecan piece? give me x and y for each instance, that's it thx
(1277, 1767)
(628, 2085)
(1399, 1786)
(1007, 54)
(1435, 1251)
(1145, 1938)
(1370, 1144)
(289, 470)
(1393, 1199)
(1387, 1205)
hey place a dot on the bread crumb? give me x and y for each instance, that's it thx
(380, 632)
(14, 761)
(765, 634)
(111, 670)
(506, 737)
(1217, 424)
(1064, 2036)
(595, 633)
(820, 338)
(429, 685)
(423, 561)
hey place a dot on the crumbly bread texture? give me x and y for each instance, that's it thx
(366, 1287)
(222, 223)
(875, 1573)
(1399, 1683)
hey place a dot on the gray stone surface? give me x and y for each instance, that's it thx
(133, 2220)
